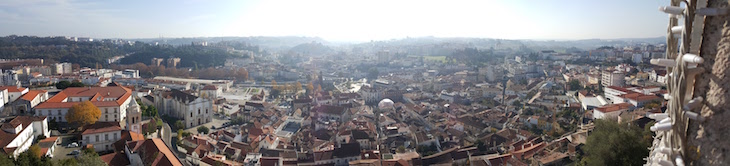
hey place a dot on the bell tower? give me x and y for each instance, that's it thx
(134, 115)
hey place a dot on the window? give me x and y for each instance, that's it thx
(206, 111)
(106, 116)
(106, 137)
(97, 138)
(59, 112)
(191, 114)
(115, 110)
(87, 139)
(115, 136)
(198, 110)
(106, 110)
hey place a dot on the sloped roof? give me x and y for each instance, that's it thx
(13, 88)
(32, 94)
(100, 127)
(119, 93)
(115, 159)
(153, 146)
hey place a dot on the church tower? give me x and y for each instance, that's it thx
(134, 115)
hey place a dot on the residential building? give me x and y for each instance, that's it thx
(112, 101)
(62, 68)
(18, 134)
(29, 100)
(14, 92)
(143, 152)
(612, 78)
(101, 135)
(611, 111)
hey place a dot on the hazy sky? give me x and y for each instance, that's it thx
(337, 20)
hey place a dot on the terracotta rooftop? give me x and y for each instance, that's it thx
(115, 159)
(614, 107)
(100, 127)
(61, 100)
(32, 94)
(6, 137)
(149, 148)
(13, 88)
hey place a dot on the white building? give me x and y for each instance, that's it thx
(101, 135)
(613, 94)
(193, 110)
(112, 102)
(611, 111)
(14, 92)
(18, 134)
(62, 68)
(211, 91)
(612, 78)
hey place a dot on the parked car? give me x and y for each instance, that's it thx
(75, 152)
(72, 145)
(212, 127)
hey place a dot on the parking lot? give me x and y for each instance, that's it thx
(217, 122)
(61, 152)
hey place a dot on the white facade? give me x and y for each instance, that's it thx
(193, 110)
(22, 136)
(609, 78)
(14, 95)
(102, 141)
(613, 95)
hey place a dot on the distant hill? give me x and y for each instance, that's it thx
(269, 43)
(313, 48)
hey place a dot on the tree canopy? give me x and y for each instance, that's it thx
(83, 113)
(612, 143)
(203, 129)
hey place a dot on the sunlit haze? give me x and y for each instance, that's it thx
(336, 20)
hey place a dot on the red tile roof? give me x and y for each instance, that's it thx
(32, 94)
(614, 107)
(153, 146)
(100, 127)
(121, 94)
(639, 97)
(114, 159)
(6, 137)
(13, 88)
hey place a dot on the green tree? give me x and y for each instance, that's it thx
(63, 84)
(574, 85)
(90, 159)
(203, 129)
(179, 124)
(401, 149)
(5, 160)
(76, 84)
(612, 143)
(151, 111)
